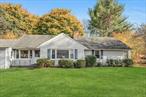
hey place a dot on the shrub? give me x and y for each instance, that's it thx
(119, 63)
(80, 64)
(66, 63)
(90, 61)
(114, 63)
(99, 64)
(45, 62)
(127, 62)
(110, 62)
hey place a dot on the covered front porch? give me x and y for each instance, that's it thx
(24, 57)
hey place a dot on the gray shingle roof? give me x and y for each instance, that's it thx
(103, 43)
(26, 41)
(33, 41)
(7, 43)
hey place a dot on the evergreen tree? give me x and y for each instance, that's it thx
(106, 17)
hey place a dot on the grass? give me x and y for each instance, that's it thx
(87, 82)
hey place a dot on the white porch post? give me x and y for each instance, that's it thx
(50, 53)
(19, 54)
(33, 54)
(69, 54)
(73, 53)
(100, 54)
(55, 53)
(29, 54)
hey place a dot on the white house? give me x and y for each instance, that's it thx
(26, 50)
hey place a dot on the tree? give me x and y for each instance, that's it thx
(141, 31)
(4, 25)
(15, 19)
(59, 21)
(136, 43)
(106, 18)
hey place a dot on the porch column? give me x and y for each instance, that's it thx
(55, 53)
(19, 54)
(33, 54)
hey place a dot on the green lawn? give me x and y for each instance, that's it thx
(87, 82)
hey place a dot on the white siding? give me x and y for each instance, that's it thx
(5, 58)
(88, 52)
(2, 58)
(64, 43)
(114, 54)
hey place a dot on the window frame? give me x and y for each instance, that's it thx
(37, 55)
(67, 56)
(25, 56)
(97, 55)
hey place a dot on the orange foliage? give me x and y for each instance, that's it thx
(134, 42)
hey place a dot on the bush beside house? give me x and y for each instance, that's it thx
(45, 63)
(66, 63)
(90, 61)
(80, 64)
(119, 63)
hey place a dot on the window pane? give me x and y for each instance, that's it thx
(53, 54)
(17, 53)
(24, 53)
(37, 53)
(71, 54)
(62, 53)
(48, 54)
(101, 54)
(97, 54)
(76, 53)
(30, 53)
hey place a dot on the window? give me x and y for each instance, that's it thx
(24, 53)
(53, 54)
(71, 54)
(101, 54)
(93, 52)
(37, 53)
(76, 53)
(62, 53)
(15, 53)
(48, 53)
(97, 54)
(30, 53)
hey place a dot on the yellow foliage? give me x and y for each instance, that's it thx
(9, 35)
(136, 43)
(59, 21)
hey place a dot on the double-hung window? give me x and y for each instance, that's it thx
(97, 54)
(53, 54)
(37, 53)
(76, 54)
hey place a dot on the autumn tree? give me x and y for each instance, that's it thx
(4, 25)
(141, 31)
(15, 19)
(59, 21)
(136, 43)
(106, 17)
